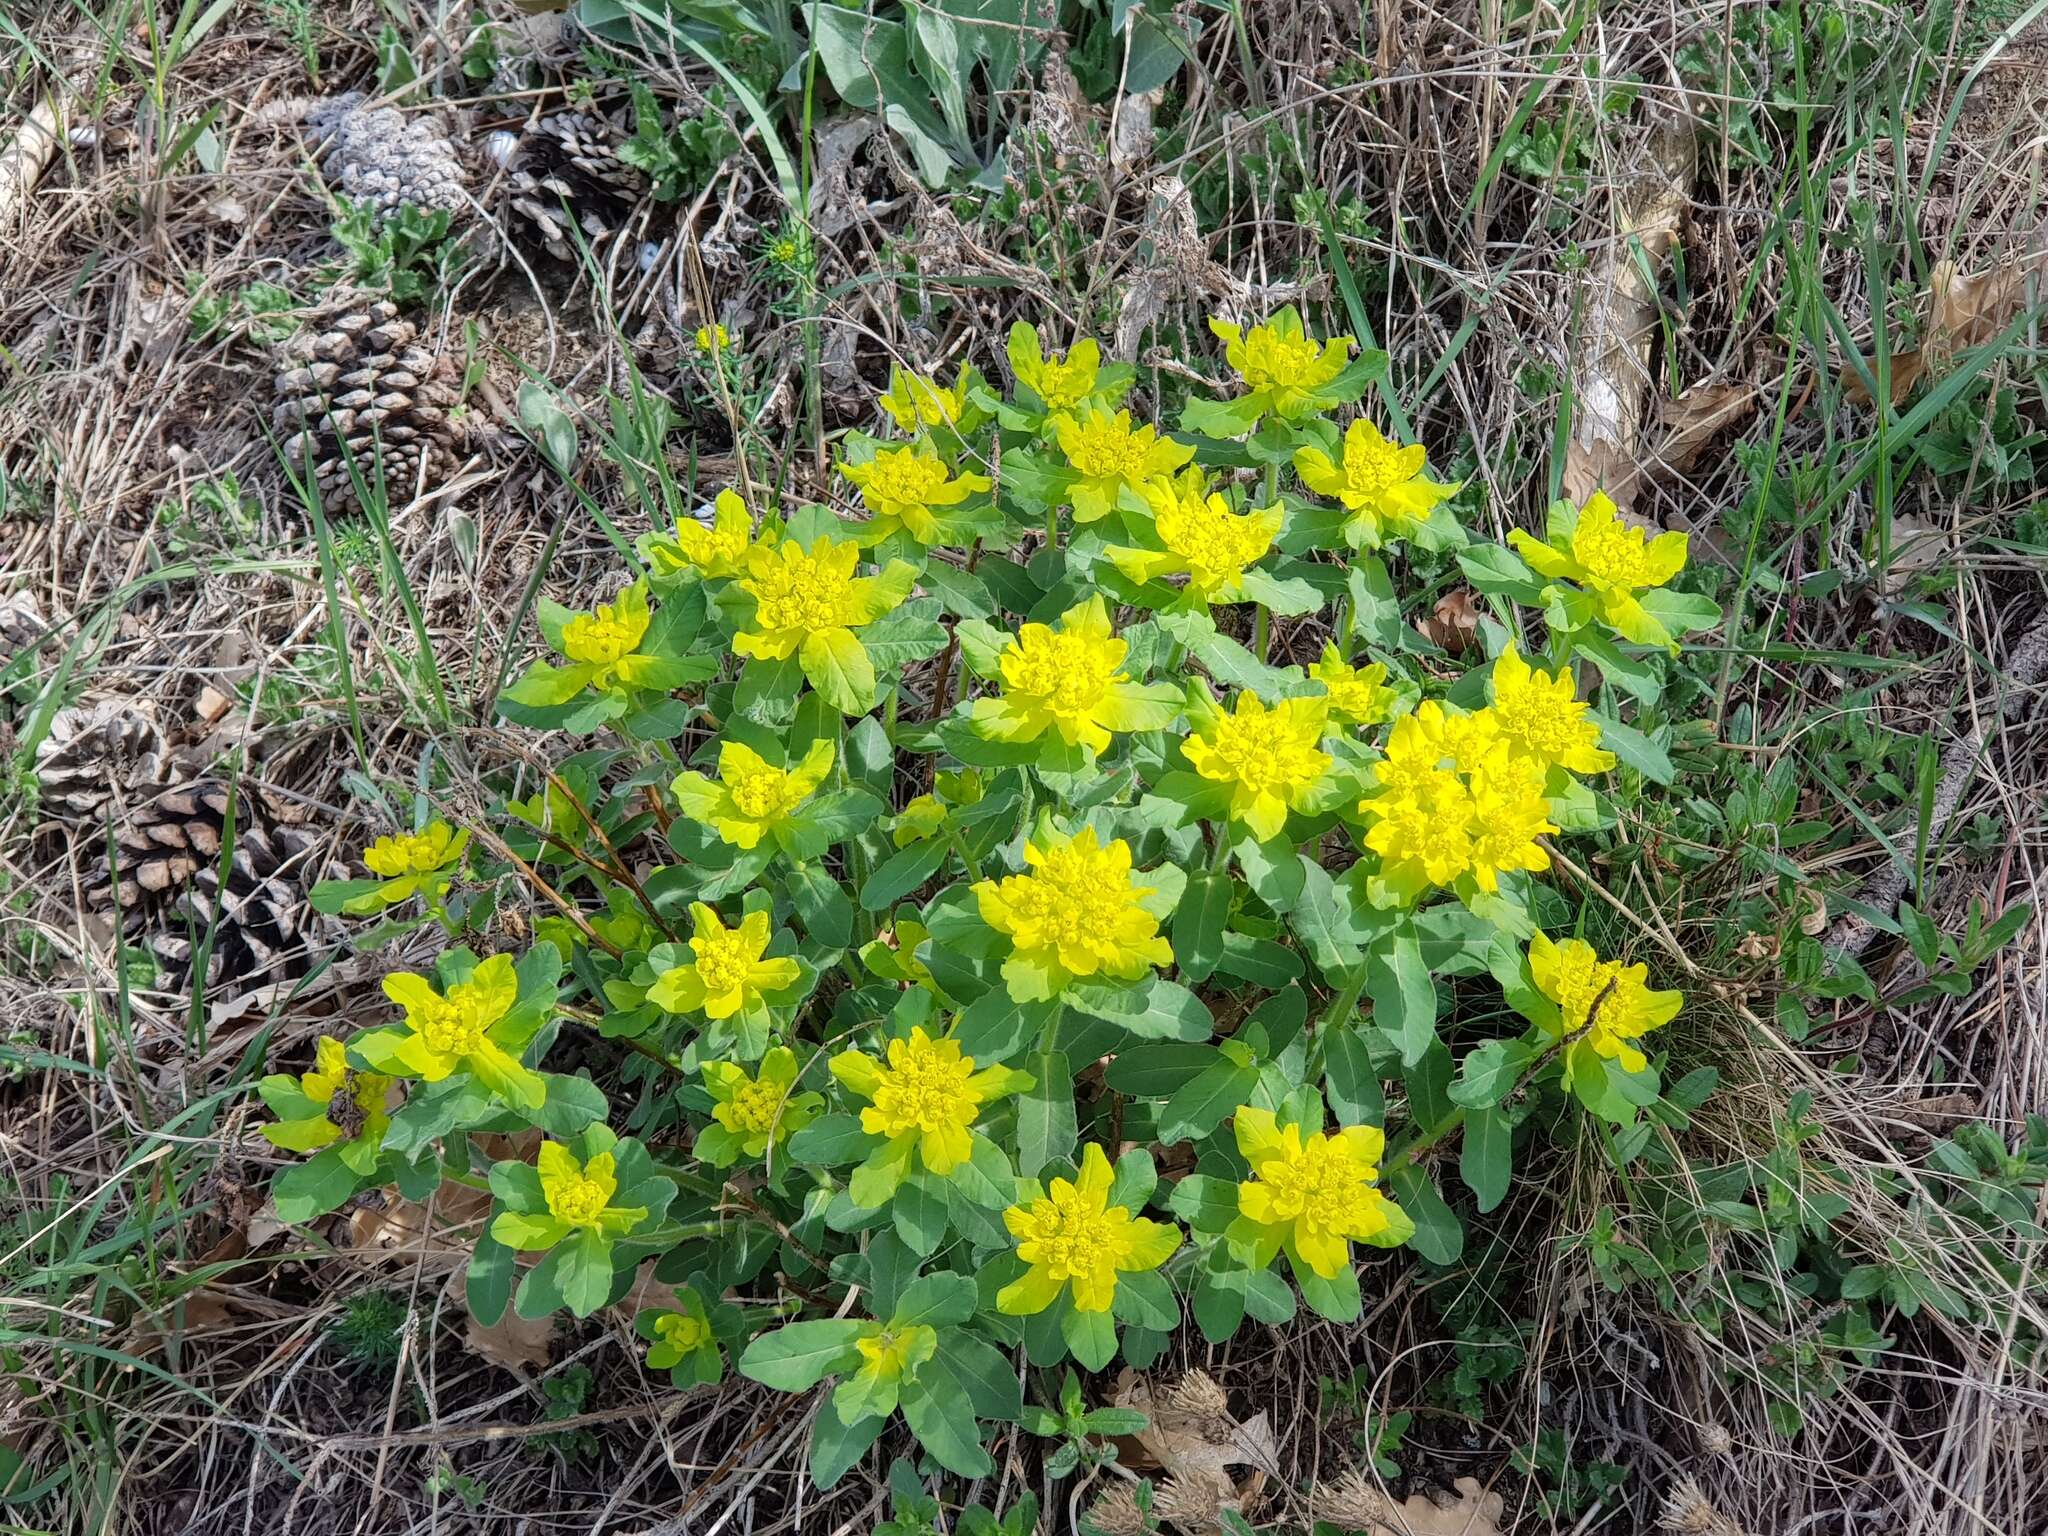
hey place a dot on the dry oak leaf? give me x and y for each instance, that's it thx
(517, 1343)
(1962, 311)
(1194, 1439)
(1473, 1512)
(1696, 417)
(1454, 622)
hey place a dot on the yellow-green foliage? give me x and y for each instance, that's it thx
(996, 787)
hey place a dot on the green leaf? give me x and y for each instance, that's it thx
(975, 1373)
(1641, 677)
(313, 1188)
(821, 902)
(1201, 1105)
(831, 1140)
(1328, 928)
(1159, 1069)
(1204, 1202)
(1091, 1336)
(1350, 1080)
(920, 1212)
(1145, 1299)
(1155, 1009)
(1496, 569)
(1487, 1159)
(1635, 749)
(487, 1287)
(836, 1446)
(798, 1356)
(948, 1434)
(839, 668)
(1403, 996)
(1198, 923)
(938, 1300)
(1439, 1236)
(903, 872)
(1336, 1298)
(994, 1027)
(1490, 1072)
(1046, 1125)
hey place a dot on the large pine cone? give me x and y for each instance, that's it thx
(93, 751)
(363, 385)
(566, 168)
(173, 893)
(381, 157)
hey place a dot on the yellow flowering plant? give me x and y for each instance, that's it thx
(688, 1339)
(712, 548)
(577, 1204)
(402, 865)
(1015, 916)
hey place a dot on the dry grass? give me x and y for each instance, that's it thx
(172, 1362)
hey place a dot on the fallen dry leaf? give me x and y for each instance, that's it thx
(1962, 311)
(1454, 622)
(1473, 1512)
(1917, 545)
(1696, 417)
(517, 1343)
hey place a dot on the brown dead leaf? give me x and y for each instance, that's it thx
(516, 1343)
(448, 1223)
(1474, 1512)
(1917, 545)
(1696, 417)
(1454, 622)
(1962, 311)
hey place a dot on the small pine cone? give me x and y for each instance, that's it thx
(1116, 1513)
(93, 752)
(380, 157)
(1688, 1509)
(566, 170)
(360, 387)
(1352, 1503)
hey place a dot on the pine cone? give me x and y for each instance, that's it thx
(359, 386)
(93, 751)
(168, 883)
(379, 157)
(567, 167)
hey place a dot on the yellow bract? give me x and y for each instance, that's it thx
(580, 1194)
(717, 551)
(433, 847)
(607, 638)
(1205, 540)
(728, 973)
(712, 338)
(751, 796)
(1060, 382)
(1612, 561)
(1309, 1193)
(1076, 914)
(1109, 456)
(1072, 1235)
(1380, 483)
(1358, 695)
(1603, 1006)
(1070, 679)
(916, 400)
(1539, 716)
(361, 1117)
(905, 487)
(457, 1031)
(683, 1334)
(802, 592)
(1269, 757)
(926, 1093)
(758, 1111)
(1283, 367)
(1453, 804)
